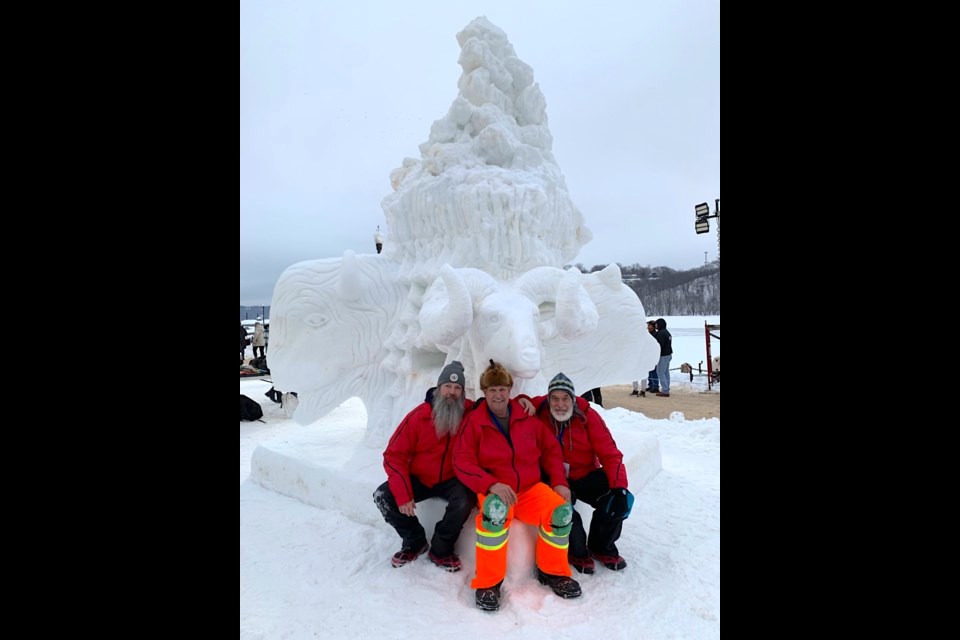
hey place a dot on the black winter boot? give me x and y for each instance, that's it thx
(488, 599)
(562, 585)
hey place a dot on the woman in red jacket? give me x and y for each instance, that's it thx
(596, 474)
(499, 454)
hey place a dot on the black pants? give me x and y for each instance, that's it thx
(604, 530)
(593, 396)
(263, 351)
(460, 501)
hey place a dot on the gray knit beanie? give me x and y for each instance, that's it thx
(452, 373)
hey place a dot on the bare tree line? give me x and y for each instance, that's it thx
(671, 292)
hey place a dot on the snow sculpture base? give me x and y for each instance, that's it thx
(328, 467)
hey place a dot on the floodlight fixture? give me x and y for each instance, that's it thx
(702, 221)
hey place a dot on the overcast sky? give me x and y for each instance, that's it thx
(333, 96)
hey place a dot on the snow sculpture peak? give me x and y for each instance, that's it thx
(486, 191)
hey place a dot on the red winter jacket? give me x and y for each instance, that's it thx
(587, 442)
(484, 456)
(415, 450)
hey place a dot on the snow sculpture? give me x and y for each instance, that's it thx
(486, 191)
(479, 228)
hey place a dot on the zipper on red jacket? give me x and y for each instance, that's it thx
(513, 457)
(446, 448)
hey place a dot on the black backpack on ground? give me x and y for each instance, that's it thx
(249, 409)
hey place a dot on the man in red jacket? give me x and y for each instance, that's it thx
(596, 474)
(419, 465)
(499, 454)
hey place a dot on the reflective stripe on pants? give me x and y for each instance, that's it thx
(535, 507)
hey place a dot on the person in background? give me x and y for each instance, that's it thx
(243, 344)
(651, 384)
(499, 455)
(596, 474)
(258, 340)
(594, 396)
(666, 355)
(419, 465)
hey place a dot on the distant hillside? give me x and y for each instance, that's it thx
(669, 292)
(249, 313)
(699, 296)
(663, 291)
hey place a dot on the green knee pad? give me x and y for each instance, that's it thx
(494, 513)
(562, 520)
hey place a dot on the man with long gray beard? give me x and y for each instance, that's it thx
(419, 465)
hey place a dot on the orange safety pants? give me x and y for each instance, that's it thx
(534, 506)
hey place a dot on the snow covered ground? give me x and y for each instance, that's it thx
(308, 572)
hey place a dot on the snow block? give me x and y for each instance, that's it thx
(329, 469)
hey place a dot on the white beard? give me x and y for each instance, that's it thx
(562, 417)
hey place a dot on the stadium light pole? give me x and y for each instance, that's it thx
(702, 222)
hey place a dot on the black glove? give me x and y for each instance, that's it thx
(616, 503)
